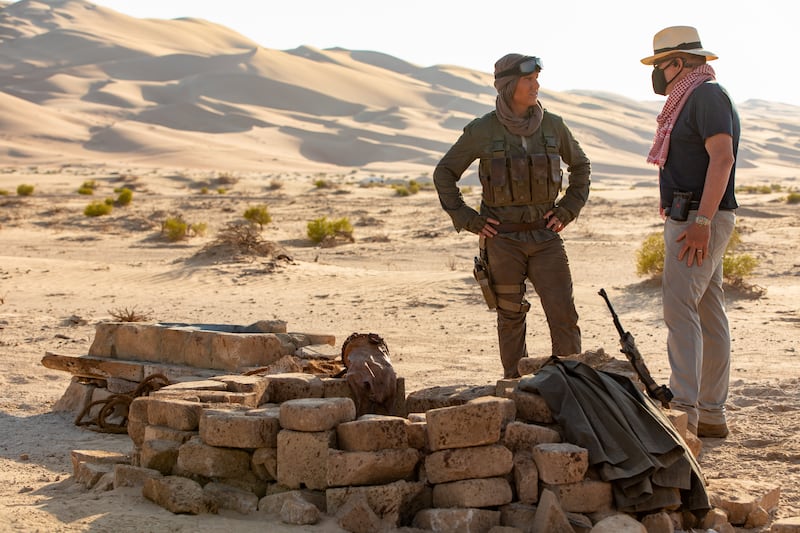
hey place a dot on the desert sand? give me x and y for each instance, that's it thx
(206, 127)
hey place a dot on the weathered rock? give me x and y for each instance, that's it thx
(560, 463)
(316, 414)
(461, 520)
(475, 423)
(487, 492)
(222, 496)
(176, 494)
(370, 468)
(467, 463)
(373, 432)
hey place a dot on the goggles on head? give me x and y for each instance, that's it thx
(523, 67)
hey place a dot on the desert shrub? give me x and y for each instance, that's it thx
(130, 315)
(401, 190)
(125, 196)
(322, 229)
(650, 255)
(96, 209)
(25, 189)
(793, 198)
(3, 192)
(323, 184)
(177, 229)
(204, 190)
(258, 214)
(88, 187)
(174, 229)
(222, 190)
(198, 229)
(275, 184)
(735, 266)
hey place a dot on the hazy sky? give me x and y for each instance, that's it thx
(584, 44)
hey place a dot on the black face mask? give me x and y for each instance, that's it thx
(660, 80)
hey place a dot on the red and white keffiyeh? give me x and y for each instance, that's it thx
(672, 108)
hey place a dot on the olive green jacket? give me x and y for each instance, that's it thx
(476, 143)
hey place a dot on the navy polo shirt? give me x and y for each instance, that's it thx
(707, 112)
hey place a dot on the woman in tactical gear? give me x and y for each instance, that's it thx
(520, 146)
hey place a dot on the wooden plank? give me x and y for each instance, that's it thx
(94, 367)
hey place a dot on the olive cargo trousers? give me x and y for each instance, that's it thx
(545, 264)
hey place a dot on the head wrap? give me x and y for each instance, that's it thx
(524, 125)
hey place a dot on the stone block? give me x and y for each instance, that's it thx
(550, 517)
(531, 407)
(418, 435)
(619, 523)
(177, 414)
(658, 523)
(357, 516)
(475, 423)
(370, 468)
(264, 463)
(456, 464)
(176, 494)
(222, 496)
(526, 477)
(257, 385)
(316, 414)
(89, 474)
(160, 455)
(487, 492)
(679, 419)
(741, 497)
(198, 350)
(504, 387)
(519, 515)
(232, 351)
(172, 348)
(336, 388)
(395, 503)
(585, 496)
(461, 520)
(786, 525)
(299, 512)
(152, 432)
(303, 458)
(294, 385)
(98, 457)
(523, 436)
(272, 503)
(194, 457)
(560, 463)
(132, 476)
(424, 400)
(236, 429)
(75, 397)
(372, 432)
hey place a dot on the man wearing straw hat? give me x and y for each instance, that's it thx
(695, 148)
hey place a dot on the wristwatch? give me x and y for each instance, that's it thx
(700, 220)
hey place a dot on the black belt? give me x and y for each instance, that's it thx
(514, 227)
(694, 206)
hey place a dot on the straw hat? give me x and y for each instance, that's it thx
(677, 39)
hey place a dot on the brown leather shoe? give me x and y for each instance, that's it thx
(714, 431)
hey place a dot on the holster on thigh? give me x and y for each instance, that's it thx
(507, 305)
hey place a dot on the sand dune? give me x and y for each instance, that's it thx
(115, 74)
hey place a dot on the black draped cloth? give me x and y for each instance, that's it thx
(631, 442)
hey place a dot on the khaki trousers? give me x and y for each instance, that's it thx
(545, 264)
(698, 338)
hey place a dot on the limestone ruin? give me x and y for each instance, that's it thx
(251, 419)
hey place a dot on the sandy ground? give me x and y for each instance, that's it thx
(407, 277)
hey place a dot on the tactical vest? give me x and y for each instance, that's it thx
(522, 179)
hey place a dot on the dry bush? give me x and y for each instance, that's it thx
(238, 241)
(123, 314)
